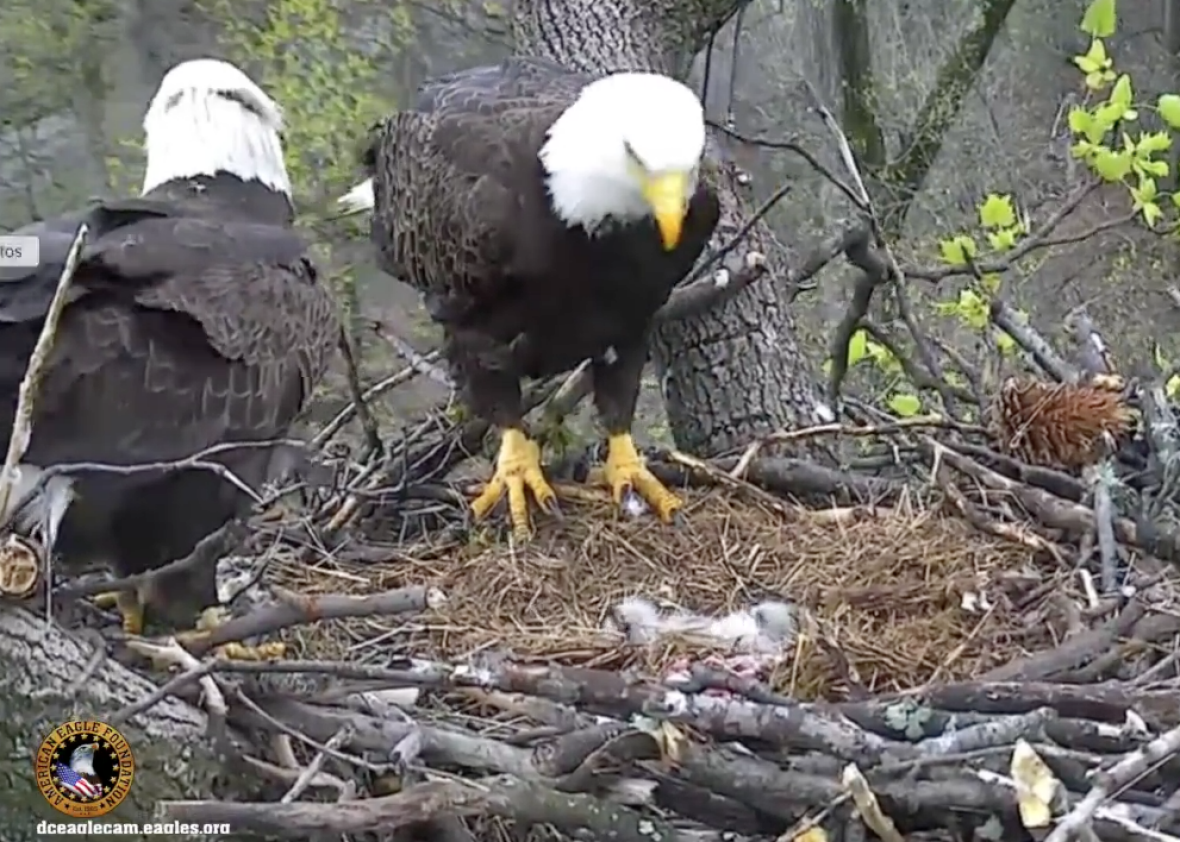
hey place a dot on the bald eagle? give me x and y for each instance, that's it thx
(545, 216)
(195, 319)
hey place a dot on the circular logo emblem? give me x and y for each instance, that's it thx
(84, 769)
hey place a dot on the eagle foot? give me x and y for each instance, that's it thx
(216, 615)
(626, 474)
(130, 605)
(518, 467)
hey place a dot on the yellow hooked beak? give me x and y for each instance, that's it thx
(665, 192)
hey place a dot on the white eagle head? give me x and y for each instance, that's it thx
(82, 760)
(629, 147)
(208, 117)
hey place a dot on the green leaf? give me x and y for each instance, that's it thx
(1168, 106)
(991, 282)
(1095, 60)
(958, 251)
(905, 405)
(1080, 119)
(1112, 166)
(1173, 386)
(1161, 362)
(1005, 344)
(1151, 143)
(1151, 213)
(997, 211)
(882, 356)
(1156, 169)
(1122, 95)
(857, 347)
(1108, 114)
(972, 309)
(1099, 79)
(827, 367)
(1100, 19)
(1146, 191)
(1002, 240)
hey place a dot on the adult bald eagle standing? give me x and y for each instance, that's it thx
(546, 216)
(195, 319)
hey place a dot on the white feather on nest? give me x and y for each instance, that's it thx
(767, 628)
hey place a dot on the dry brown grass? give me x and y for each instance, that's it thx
(883, 591)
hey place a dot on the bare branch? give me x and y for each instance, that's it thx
(1110, 781)
(22, 422)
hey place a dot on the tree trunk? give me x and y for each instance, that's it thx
(40, 690)
(735, 372)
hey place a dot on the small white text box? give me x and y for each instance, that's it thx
(20, 252)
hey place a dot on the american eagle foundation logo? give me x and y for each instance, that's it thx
(84, 769)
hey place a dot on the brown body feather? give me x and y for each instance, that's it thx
(462, 213)
(196, 319)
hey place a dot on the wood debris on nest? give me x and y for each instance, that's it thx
(895, 597)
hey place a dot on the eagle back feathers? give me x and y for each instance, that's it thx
(456, 165)
(181, 333)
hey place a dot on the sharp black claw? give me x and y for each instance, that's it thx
(553, 508)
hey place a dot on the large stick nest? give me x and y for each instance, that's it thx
(984, 643)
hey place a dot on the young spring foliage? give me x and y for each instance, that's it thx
(1110, 139)
(1107, 131)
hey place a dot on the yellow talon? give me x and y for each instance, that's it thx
(625, 471)
(130, 605)
(518, 466)
(214, 616)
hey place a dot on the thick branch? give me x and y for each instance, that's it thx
(51, 677)
(906, 175)
(594, 36)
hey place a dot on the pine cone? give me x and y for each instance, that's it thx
(1059, 425)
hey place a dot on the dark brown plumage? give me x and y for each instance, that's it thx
(195, 318)
(463, 212)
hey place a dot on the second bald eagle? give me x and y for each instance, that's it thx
(545, 216)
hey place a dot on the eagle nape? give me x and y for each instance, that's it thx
(518, 468)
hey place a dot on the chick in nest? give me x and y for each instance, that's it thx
(766, 628)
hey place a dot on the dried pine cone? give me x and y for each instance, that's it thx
(1059, 425)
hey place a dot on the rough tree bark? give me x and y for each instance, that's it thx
(734, 372)
(39, 690)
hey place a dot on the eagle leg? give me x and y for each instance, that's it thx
(216, 615)
(616, 389)
(130, 605)
(518, 467)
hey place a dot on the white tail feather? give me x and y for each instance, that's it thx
(359, 199)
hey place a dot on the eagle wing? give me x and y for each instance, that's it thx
(447, 178)
(181, 333)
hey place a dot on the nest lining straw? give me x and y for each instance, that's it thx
(882, 591)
